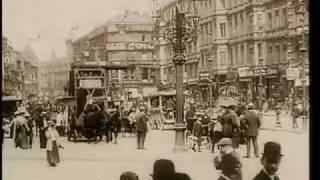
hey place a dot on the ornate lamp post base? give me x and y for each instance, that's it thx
(179, 145)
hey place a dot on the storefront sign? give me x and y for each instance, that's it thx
(116, 46)
(245, 72)
(293, 73)
(298, 82)
(204, 76)
(139, 46)
(90, 83)
(272, 71)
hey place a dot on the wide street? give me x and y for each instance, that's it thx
(82, 161)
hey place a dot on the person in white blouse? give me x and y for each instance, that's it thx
(53, 144)
(60, 122)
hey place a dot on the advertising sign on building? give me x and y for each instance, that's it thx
(204, 76)
(116, 46)
(298, 82)
(293, 73)
(139, 46)
(245, 72)
(90, 83)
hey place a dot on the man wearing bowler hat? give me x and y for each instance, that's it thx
(163, 169)
(270, 160)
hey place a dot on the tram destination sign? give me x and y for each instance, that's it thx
(90, 83)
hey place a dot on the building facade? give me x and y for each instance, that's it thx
(19, 70)
(125, 38)
(237, 41)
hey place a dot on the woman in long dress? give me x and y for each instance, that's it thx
(20, 131)
(53, 145)
(42, 130)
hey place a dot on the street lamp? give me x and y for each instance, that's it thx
(261, 26)
(178, 32)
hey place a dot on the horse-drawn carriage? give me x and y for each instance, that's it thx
(162, 109)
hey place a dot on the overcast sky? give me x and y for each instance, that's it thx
(45, 24)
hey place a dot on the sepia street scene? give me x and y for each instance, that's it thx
(155, 90)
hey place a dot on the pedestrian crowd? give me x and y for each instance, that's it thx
(227, 162)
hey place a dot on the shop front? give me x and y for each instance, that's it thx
(246, 85)
(232, 84)
(273, 86)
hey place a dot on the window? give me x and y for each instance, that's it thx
(144, 73)
(223, 59)
(223, 4)
(270, 20)
(284, 52)
(153, 74)
(278, 53)
(270, 53)
(143, 37)
(223, 29)
(132, 75)
(284, 15)
(241, 24)
(242, 54)
(277, 19)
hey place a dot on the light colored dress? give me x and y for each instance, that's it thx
(52, 146)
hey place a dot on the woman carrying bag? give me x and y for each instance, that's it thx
(53, 145)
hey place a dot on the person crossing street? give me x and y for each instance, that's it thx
(253, 122)
(142, 127)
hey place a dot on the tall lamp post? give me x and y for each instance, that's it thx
(178, 34)
(260, 58)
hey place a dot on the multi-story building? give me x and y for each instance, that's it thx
(125, 38)
(19, 72)
(234, 38)
(54, 77)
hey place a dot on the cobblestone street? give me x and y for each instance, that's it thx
(102, 161)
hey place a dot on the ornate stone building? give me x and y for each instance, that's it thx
(125, 38)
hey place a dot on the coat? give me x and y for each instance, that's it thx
(228, 123)
(197, 129)
(263, 176)
(51, 135)
(141, 122)
(252, 120)
(230, 165)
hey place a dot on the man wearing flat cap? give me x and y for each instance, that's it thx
(270, 160)
(228, 161)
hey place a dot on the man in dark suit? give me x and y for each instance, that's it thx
(142, 127)
(270, 160)
(252, 120)
(197, 132)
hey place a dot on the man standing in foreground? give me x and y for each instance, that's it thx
(252, 121)
(270, 160)
(142, 127)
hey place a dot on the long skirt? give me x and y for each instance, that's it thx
(53, 156)
(21, 139)
(43, 139)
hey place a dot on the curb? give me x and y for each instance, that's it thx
(284, 130)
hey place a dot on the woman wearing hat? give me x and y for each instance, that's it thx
(52, 136)
(20, 129)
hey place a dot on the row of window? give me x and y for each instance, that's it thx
(276, 19)
(132, 74)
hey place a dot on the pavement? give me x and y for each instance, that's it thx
(269, 122)
(83, 161)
